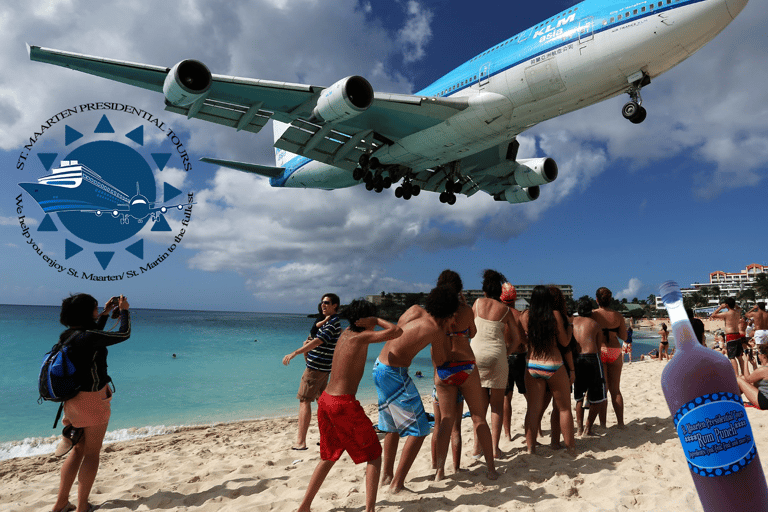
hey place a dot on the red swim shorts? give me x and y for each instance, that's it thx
(344, 426)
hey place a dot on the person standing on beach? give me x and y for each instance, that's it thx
(515, 360)
(342, 421)
(497, 333)
(401, 412)
(664, 342)
(590, 378)
(760, 317)
(89, 411)
(614, 332)
(732, 335)
(319, 356)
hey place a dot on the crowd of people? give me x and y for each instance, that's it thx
(480, 354)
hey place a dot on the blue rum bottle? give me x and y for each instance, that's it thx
(711, 421)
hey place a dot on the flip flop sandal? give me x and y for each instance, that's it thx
(70, 437)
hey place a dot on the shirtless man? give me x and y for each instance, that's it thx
(342, 421)
(760, 317)
(590, 378)
(732, 336)
(401, 412)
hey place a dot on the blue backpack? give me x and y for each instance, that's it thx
(57, 381)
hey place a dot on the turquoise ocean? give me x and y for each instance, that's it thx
(228, 367)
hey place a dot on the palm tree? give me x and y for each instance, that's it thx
(761, 284)
(714, 291)
(747, 295)
(651, 301)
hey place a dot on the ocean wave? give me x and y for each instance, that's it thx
(32, 446)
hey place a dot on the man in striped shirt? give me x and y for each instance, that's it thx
(319, 356)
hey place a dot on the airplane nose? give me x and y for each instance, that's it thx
(735, 6)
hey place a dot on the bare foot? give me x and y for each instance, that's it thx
(439, 475)
(572, 451)
(385, 480)
(556, 445)
(579, 431)
(398, 490)
(492, 474)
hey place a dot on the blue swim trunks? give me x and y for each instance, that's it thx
(400, 407)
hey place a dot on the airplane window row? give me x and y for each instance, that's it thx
(635, 11)
(566, 13)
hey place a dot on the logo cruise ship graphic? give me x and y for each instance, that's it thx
(74, 187)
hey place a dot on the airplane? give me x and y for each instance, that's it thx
(458, 134)
(74, 187)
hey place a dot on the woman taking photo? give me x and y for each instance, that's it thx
(546, 369)
(86, 416)
(614, 332)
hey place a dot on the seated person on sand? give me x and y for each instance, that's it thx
(590, 378)
(342, 421)
(755, 385)
(401, 412)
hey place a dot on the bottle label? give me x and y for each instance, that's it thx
(715, 433)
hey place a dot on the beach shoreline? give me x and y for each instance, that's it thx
(248, 465)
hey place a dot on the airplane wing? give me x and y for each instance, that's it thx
(496, 171)
(247, 104)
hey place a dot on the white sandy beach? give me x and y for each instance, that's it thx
(250, 466)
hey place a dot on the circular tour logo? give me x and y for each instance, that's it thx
(103, 191)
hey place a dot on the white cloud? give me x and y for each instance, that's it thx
(712, 108)
(630, 292)
(416, 33)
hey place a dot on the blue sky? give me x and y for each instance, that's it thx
(677, 197)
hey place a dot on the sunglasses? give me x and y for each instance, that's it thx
(326, 302)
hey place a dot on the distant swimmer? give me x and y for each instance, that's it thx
(174, 356)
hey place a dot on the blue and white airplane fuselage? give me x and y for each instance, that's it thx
(456, 135)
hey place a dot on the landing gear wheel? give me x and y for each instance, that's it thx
(378, 189)
(451, 199)
(358, 174)
(364, 160)
(457, 187)
(415, 189)
(639, 116)
(448, 187)
(368, 185)
(387, 182)
(399, 192)
(630, 110)
(368, 177)
(374, 163)
(406, 195)
(443, 197)
(378, 182)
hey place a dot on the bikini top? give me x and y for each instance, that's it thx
(614, 330)
(464, 333)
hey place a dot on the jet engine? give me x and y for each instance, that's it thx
(517, 194)
(535, 171)
(186, 82)
(343, 100)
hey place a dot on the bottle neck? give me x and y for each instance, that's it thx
(681, 326)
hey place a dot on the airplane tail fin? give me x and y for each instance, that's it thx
(281, 155)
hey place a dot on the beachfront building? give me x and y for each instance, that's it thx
(730, 284)
(408, 299)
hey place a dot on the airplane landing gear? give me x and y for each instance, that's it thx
(407, 190)
(633, 110)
